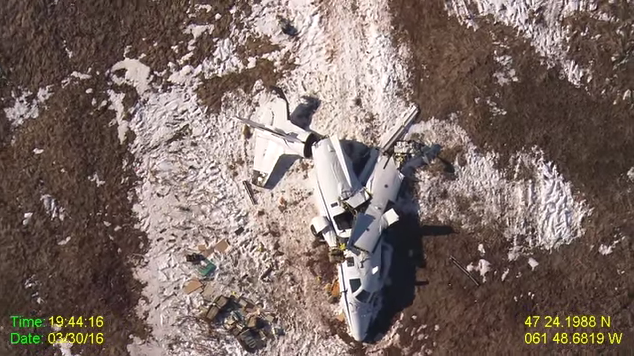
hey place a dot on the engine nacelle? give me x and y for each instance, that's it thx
(318, 224)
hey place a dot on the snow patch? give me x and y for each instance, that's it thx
(23, 108)
(64, 241)
(630, 174)
(483, 267)
(508, 74)
(533, 263)
(95, 178)
(535, 212)
(137, 74)
(54, 210)
(506, 273)
(607, 249)
(481, 249)
(27, 218)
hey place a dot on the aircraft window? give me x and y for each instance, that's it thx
(344, 220)
(350, 261)
(355, 283)
(363, 296)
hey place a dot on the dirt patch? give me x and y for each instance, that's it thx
(88, 275)
(605, 47)
(212, 90)
(585, 135)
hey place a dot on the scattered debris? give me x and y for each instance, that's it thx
(192, 286)
(222, 246)
(239, 230)
(249, 190)
(207, 268)
(243, 319)
(287, 27)
(195, 258)
(455, 262)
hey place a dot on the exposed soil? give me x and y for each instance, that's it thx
(41, 43)
(584, 133)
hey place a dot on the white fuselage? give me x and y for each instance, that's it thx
(334, 182)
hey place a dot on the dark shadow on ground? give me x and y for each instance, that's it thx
(283, 165)
(358, 153)
(406, 238)
(302, 116)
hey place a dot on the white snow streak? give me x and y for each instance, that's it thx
(23, 108)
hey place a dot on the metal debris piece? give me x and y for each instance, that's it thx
(455, 262)
(192, 286)
(239, 230)
(247, 187)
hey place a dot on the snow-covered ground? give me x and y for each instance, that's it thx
(536, 212)
(191, 190)
(191, 194)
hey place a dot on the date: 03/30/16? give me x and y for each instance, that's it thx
(592, 338)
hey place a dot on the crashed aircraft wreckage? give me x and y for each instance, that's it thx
(355, 210)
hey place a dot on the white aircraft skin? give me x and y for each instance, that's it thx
(338, 191)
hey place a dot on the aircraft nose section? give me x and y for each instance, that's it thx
(359, 324)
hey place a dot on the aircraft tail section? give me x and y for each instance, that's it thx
(275, 138)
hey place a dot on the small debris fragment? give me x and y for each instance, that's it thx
(455, 262)
(239, 230)
(64, 241)
(192, 286)
(207, 268)
(222, 246)
(249, 190)
(341, 317)
(246, 132)
(287, 28)
(27, 218)
(195, 258)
